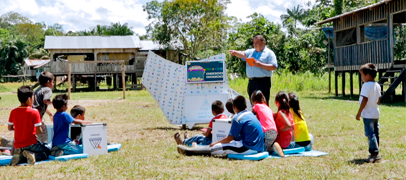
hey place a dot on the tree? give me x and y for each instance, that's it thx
(198, 24)
(241, 38)
(296, 14)
(32, 33)
(115, 29)
(54, 30)
(12, 54)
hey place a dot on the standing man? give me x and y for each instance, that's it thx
(265, 63)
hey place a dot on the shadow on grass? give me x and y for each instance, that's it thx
(357, 161)
(172, 128)
(397, 102)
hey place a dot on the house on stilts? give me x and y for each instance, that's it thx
(373, 34)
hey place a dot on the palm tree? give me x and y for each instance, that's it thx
(119, 29)
(296, 14)
(12, 54)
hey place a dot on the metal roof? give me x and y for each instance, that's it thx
(154, 45)
(353, 12)
(35, 62)
(92, 42)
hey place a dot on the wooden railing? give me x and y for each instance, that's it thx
(376, 52)
(88, 68)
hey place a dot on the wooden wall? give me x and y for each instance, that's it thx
(378, 52)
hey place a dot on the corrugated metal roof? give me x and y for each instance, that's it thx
(35, 62)
(92, 42)
(154, 45)
(352, 12)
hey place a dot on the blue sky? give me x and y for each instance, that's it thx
(78, 15)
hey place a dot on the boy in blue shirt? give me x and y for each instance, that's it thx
(62, 144)
(245, 136)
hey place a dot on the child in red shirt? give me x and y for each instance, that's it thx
(26, 123)
(283, 119)
(217, 109)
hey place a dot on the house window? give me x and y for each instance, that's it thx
(346, 37)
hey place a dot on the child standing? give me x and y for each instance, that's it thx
(302, 136)
(42, 99)
(265, 117)
(217, 108)
(283, 119)
(26, 123)
(369, 111)
(62, 144)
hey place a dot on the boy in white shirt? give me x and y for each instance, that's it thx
(369, 99)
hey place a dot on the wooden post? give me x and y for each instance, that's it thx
(351, 85)
(123, 78)
(336, 81)
(115, 77)
(74, 83)
(343, 82)
(359, 83)
(404, 89)
(69, 79)
(95, 82)
(329, 61)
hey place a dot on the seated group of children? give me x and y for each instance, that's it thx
(27, 124)
(259, 130)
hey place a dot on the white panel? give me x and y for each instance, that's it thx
(94, 139)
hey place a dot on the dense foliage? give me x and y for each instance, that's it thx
(204, 29)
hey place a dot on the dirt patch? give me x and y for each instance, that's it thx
(93, 103)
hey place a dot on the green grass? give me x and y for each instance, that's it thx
(149, 151)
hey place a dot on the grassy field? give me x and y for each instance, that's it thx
(149, 150)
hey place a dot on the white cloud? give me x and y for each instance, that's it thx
(79, 15)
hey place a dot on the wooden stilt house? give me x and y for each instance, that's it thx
(373, 34)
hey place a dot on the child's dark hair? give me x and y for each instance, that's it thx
(23, 93)
(229, 106)
(77, 110)
(217, 106)
(44, 77)
(59, 101)
(283, 100)
(239, 103)
(294, 104)
(258, 97)
(369, 68)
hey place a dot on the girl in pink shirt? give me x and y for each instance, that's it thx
(283, 119)
(265, 117)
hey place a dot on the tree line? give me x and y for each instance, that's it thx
(203, 28)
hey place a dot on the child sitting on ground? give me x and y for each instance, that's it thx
(62, 144)
(229, 107)
(284, 120)
(265, 116)
(42, 99)
(245, 136)
(369, 99)
(302, 136)
(26, 123)
(217, 108)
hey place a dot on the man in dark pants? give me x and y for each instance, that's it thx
(261, 72)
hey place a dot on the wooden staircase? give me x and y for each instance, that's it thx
(391, 79)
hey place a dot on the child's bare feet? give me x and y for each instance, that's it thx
(178, 139)
(278, 149)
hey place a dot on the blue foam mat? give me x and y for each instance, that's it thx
(68, 157)
(252, 157)
(291, 151)
(5, 160)
(311, 153)
(113, 147)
